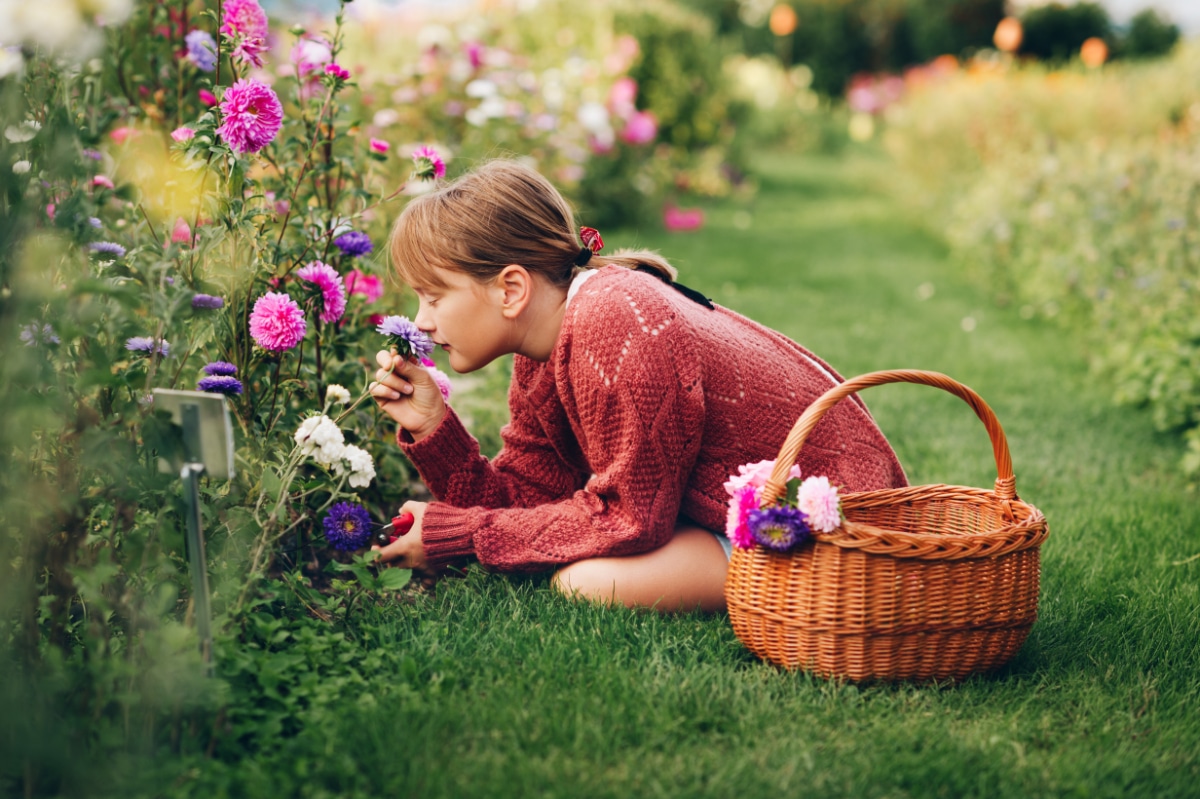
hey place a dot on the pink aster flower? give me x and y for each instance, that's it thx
(379, 146)
(102, 182)
(207, 97)
(333, 291)
(429, 163)
(277, 323)
(755, 474)
(341, 73)
(818, 500)
(182, 134)
(370, 286)
(252, 116)
(741, 502)
(245, 22)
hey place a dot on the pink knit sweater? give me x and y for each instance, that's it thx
(647, 405)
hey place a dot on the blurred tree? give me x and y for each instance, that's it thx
(1149, 35)
(1055, 32)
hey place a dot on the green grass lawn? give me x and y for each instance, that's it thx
(494, 686)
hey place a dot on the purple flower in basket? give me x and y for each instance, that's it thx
(779, 528)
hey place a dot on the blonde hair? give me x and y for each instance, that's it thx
(503, 212)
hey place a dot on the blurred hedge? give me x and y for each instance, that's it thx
(1073, 194)
(840, 39)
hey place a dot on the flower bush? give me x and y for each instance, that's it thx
(1073, 195)
(194, 198)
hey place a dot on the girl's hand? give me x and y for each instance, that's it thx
(407, 393)
(407, 551)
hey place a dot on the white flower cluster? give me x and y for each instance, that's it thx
(360, 466)
(321, 439)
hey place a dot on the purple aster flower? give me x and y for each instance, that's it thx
(207, 302)
(201, 50)
(246, 23)
(107, 248)
(407, 338)
(429, 163)
(355, 243)
(34, 335)
(277, 322)
(348, 526)
(94, 221)
(220, 384)
(333, 291)
(252, 116)
(147, 344)
(95, 155)
(223, 368)
(779, 528)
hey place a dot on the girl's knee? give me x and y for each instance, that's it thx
(586, 579)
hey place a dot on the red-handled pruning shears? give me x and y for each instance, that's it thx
(399, 526)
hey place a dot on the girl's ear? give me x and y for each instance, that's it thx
(514, 288)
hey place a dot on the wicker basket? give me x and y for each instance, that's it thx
(924, 582)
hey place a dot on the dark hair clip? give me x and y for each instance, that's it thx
(585, 255)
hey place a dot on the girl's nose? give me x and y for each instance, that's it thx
(422, 320)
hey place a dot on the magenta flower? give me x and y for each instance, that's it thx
(245, 22)
(207, 97)
(277, 322)
(333, 291)
(429, 163)
(439, 377)
(370, 286)
(379, 146)
(341, 73)
(182, 134)
(252, 116)
(741, 503)
(102, 182)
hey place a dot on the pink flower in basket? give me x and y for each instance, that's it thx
(818, 500)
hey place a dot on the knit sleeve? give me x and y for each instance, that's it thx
(631, 380)
(528, 471)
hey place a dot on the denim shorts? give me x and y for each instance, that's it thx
(725, 543)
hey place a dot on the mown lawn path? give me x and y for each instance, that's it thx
(497, 687)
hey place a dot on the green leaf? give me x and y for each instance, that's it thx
(793, 491)
(394, 579)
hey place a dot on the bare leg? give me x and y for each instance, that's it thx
(687, 573)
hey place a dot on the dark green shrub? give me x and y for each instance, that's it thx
(1150, 35)
(1055, 32)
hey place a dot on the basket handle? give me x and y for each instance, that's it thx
(1006, 488)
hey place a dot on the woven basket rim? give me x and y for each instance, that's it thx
(1027, 527)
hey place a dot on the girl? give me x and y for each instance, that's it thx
(632, 401)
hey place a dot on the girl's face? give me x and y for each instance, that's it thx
(464, 318)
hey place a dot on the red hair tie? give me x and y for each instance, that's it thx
(591, 238)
